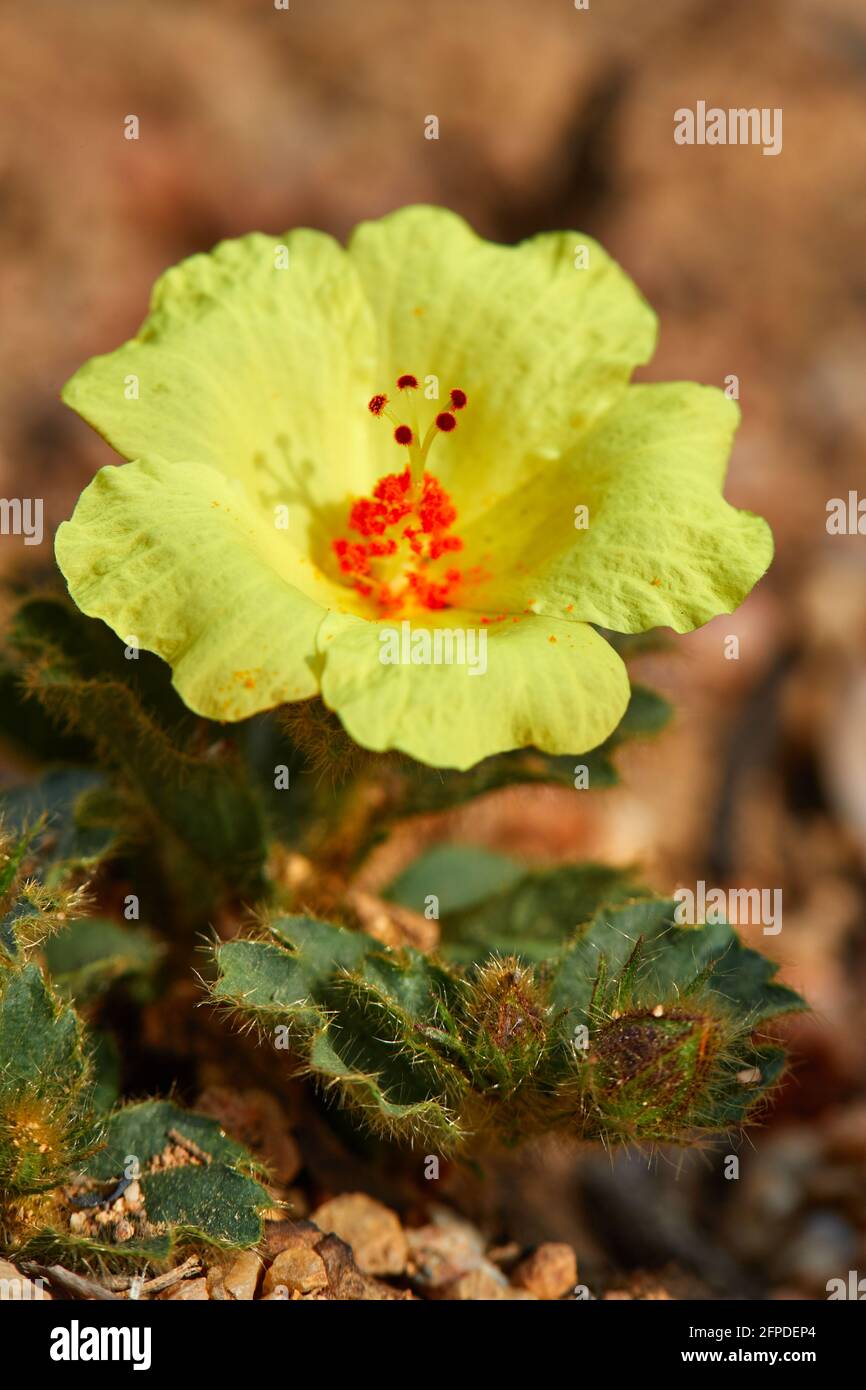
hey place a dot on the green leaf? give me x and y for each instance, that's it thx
(214, 1204)
(36, 1038)
(430, 1052)
(53, 1245)
(93, 953)
(354, 1010)
(533, 916)
(74, 835)
(30, 910)
(732, 1100)
(50, 625)
(46, 1116)
(107, 1067)
(392, 1100)
(197, 1188)
(648, 714)
(199, 810)
(268, 981)
(25, 727)
(672, 960)
(292, 976)
(142, 1130)
(459, 876)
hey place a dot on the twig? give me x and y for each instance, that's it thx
(171, 1276)
(189, 1144)
(77, 1286)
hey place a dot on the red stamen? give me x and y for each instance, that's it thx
(388, 505)
(393, 487)
(352, 556)
(404, 530)
(440, 545)
(420, 528)
(437, 511)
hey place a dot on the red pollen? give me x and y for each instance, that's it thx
(377, 405)
(437, 511)
(401, 556)
(407, 382)
(403, 434)
(458, 398)
(371, 516)
(393, 489)
(446, 421)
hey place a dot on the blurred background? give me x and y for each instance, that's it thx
(549, 117)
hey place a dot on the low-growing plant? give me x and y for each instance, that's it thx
(633, 1030)
(243, 699)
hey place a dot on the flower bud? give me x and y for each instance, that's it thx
(649, 1072)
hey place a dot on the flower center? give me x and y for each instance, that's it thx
(403, 533)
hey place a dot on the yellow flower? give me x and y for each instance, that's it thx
(423, 429)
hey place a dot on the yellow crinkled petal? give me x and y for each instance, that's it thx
(255, 359)
(174, 558)
(553, 685)
(541, 345)
(662, 546)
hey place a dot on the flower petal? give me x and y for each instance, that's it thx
(259, 369)
(553, 685)
(174, 556)
(662, 546)
(541, 346)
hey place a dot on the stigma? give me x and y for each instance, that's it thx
(400, 551)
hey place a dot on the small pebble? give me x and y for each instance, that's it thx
(299, 1270)
(483, 1284)
(549, 1272)
(373, 1231)
(241, 1279)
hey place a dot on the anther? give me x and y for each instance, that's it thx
(407, 382)
(458, 398)
(377, 404)
(403, 435)
(445, 421)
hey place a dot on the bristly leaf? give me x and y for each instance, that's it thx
(93, 954)
(355, 1012)
(145, 1130)
(75, 832)
(198, 810)
(47, 1123)
(30, 911)
(165, 1179)
(532, 916)
(673, 959)
(458, 876)
(628, 1032)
